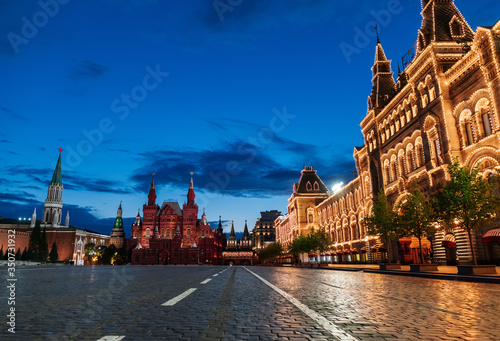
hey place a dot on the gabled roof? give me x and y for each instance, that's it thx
(173, 204)
(310, 182)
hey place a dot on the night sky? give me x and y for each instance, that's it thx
(243, 93)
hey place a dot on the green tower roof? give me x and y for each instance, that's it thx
(118, 224)
(57, 177)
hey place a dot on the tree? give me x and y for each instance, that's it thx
(416, 216)
(90, 252)
(34, 244)
(271, 251)
(25, 255)
(108, 254)
(18, 254)
(382, 221)
(1, 253)
(44, 246)
(467, 198)
(53, 256)
(300, 245)
(320, 241)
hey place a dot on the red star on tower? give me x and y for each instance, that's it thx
(60, 150)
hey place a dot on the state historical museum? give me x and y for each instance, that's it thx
(169, 235)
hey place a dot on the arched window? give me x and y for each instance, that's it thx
(188, 232)
(409, 161)
(394, 173)
(316, 186)
(469, 137)
(467, 128)
(487, 122)
(148, 232)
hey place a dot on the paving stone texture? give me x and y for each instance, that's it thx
(93, 303)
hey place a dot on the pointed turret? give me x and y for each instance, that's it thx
(66, 222)
(190, 195)
(245, 231)
(232, 234)
(232, 242)
(117, 236)
(246, 240)
(152, 192)
(33, 219)
(220, 230)
(204, 220)
(442, 22)
(382, 80)
(138, 221)
(57, 176)
(52, 209)
(118, 221)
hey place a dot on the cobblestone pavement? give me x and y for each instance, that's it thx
(244, 303)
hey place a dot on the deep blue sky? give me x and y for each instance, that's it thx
(217, 85)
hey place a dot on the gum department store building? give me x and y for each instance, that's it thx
(444, 104)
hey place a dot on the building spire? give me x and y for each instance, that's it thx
(52, 209)
(232, 234)
(66, 222)
(118, 225)
(33, 219)
(57, 177)
(382, 80)
(220, 230)
(245, 231)
(152, 192)
(191, 195)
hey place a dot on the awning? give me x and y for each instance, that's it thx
(311, 255)
(340, 253)
(426, 244)
(492, 236)
(449, 240)
(354, 251)
(374, 248)
(382, 248)
(327, 254)
(404, 240)
(363, 249)
(347, 251)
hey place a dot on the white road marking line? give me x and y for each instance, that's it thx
(321, 320)
(111, 338)
(215, 275)
(206, 281)
(179, 297)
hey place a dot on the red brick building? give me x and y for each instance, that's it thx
(70, 240)
(168, 234)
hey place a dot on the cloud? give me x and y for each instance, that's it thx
(22, 197)
(13, 114)
(86, 69)
(22, 205)
(78, 183)
(241, 169)
(71, 181)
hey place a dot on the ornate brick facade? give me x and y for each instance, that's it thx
(444, 104)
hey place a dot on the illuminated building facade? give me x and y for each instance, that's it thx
(239, 252)
(302, 216)
(444, 104)
(264, 232)
(169, 235)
